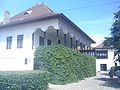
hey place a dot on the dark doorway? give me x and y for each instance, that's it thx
(103, 67)
(41, 41)
(48, 42)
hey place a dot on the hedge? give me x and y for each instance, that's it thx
(24, 80)
(113, 70)
(64, 64)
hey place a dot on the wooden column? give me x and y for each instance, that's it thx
(65, 39)
(76, 44)
(44, 38)
(71, 42)
(33, 41)
(57, 35)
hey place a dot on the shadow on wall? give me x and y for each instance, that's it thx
(109, 82)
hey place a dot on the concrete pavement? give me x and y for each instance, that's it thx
(100, 82)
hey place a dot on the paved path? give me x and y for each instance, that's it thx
(100, 82)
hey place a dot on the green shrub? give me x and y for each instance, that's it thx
(24, 80)
(113, 70)
(64, 64)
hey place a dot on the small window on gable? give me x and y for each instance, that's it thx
(28, 12)
(25, 13)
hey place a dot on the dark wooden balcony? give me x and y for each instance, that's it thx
(89, 52)
(99, 54)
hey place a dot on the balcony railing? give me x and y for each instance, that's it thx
(89, 52)
(103, 54)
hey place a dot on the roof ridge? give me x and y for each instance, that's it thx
(47, 7)
(36, 10)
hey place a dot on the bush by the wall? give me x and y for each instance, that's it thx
(24, 80)
(113, 70)
(64, 64)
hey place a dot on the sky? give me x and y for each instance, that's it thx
(94, 17)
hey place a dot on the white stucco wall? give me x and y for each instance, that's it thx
(14, 58)
(109, 61)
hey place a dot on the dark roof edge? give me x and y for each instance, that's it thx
(68, 20)
(28, 20)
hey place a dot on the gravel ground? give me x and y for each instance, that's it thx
(100, 82)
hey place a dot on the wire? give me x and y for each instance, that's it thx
(89, 6)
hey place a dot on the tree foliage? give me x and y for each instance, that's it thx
(114, 40)
(64, 64)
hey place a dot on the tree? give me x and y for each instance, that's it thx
(114, 40)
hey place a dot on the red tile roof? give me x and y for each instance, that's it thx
(36, 11)
(102, 46)
(39, 10)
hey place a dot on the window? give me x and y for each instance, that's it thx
(20, 41)
(103, 67)
(41, 41)
(28, 12)
(9, 42)
(58, 41)
(26, 61)
(48, 42)
(102, 54)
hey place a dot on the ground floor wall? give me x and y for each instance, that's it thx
(104, 64)
(16, 64)
(16, 60)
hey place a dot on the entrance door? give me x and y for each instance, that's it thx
(103, 67)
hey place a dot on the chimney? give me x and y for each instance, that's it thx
(6, 16)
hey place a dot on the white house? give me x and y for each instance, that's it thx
(104, 57)
(21, 34)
